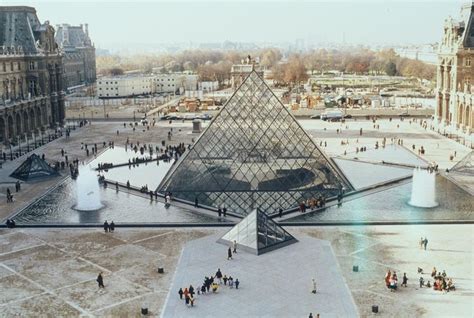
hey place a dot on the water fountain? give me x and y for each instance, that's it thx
(423, 191)
(87, 191)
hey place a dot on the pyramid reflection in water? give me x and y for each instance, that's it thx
(254, 154)
(257, 233)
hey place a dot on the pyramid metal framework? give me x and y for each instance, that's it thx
(34, 168)
(254, 154)
(466, 165)
(257, 233)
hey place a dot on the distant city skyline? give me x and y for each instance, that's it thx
(146, 25)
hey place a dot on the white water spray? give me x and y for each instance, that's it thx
(423, 191)
(87, 190)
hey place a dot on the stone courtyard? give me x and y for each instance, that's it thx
(52, 272)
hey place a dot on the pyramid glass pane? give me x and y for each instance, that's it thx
(34, 168)
(258, 233)
(254, 154)
(466, 165)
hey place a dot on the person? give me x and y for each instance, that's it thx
(231, 282)
(444, 273)
(191, 290)
(234, 245)
(387, 278)
(224, 211)
(100, 280)
(405, 280)
(225, 279)
(422, 241)
(280, 212)
(425, 242)
(219, 212)
(314, 286)
(112, 226)
(310, 315)
(229, 254)
(196, 203)
(186, 299)
(214, 287)
(106, 226)
(428, 284)
(433, 272)
(422, 281)
(237, 283)
(219, 275)
(191, 301)
(180, 293)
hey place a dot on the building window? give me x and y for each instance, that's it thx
(32, 65)
(4, 67)
(12, 68)
(468, 61)
(19, 66)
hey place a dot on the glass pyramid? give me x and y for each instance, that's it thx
(466, 165)
(257, 233)
(254, 154)
(34, 168)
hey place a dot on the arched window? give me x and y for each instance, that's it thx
(468, 61)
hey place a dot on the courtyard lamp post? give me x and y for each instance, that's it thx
(19, 143)
(11, 150)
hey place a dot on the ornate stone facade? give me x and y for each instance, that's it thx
(78, 54)
(31, 75)
(455, 82)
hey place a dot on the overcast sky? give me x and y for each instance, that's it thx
(115, 24)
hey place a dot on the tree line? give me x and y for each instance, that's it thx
(213, 65)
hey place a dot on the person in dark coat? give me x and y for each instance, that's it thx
(186, 299)
(180, 292)
(280, 212)
(224, 210)
(191, 290)
(219, 212)
(100, 280)
(237, 283)
(229, 253)
(196, 203)
(112, 226)
(106, 226)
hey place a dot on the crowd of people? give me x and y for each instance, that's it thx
(210, 285)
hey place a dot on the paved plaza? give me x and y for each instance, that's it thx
(275, 284)
(52, 272)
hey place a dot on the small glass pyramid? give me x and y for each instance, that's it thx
(257, 233)
(254, 154)
(466, 165)
(34, 168)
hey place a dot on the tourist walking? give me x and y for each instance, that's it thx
(112, 226)
(422, 241)
(314, 286)
(404, 280)
(106, 226)
(100, 280)
(219, 275)
(234, 245)
(225, 279)
(224, 211)
(229, 254)
(180, 293)
(237, 283)
(280, 212)
(425, 242)
(196, 203)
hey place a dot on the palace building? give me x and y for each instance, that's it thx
(78, 54)
(31, 75)
(455, 81)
